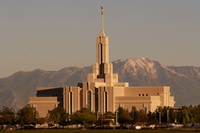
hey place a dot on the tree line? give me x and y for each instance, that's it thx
(29, 116)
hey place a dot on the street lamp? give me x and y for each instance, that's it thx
(97, 115)
(160, 118)
(116, 117)
(167, 116)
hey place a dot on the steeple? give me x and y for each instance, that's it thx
(102, 22)
(102, 45)
(102, 70)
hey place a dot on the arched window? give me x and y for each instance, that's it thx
(89, 99)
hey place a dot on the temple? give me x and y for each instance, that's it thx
(102, 92)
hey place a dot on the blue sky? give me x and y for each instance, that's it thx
(52, 34)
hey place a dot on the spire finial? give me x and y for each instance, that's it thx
(102, 22)
(101, 9)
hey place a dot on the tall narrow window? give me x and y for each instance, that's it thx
(106, 102)
(101, 53)
(101, 60)
(70, 103)
(96, 100)
(101, 69)
(89, 99)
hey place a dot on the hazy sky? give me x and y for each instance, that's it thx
(52, 34)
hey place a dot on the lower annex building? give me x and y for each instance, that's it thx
(102, 92)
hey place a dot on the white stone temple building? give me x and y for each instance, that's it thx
(102, 91)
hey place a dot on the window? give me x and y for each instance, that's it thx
(70, 102)
(106, 102)
(96, 100)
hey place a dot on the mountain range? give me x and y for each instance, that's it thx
(184, 81)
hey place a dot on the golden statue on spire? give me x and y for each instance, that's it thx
(102, 22)
(101, 9)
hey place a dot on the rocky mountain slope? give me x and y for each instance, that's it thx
(184, 81)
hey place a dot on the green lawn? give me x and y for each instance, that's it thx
(104, 131)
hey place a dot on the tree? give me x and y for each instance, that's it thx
(83, 116)
(142, 117)
(107, 118)
(41, 120)
(123, 116)
(151, 118)
(134, 115)
(7, 116)
(109, 115)
(27, 115)
(58, 116)
(185, 115)
(172, 116)
(196, 114)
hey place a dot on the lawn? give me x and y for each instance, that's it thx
(104, 131)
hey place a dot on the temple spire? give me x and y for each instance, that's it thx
(102, 22)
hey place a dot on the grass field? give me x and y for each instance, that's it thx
(105, 131)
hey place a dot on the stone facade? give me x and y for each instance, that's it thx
(102, 92)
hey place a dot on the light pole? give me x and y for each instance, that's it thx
(116, 117)
(97, 115)
(160, 118)
(133, 117)
(167, 116)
